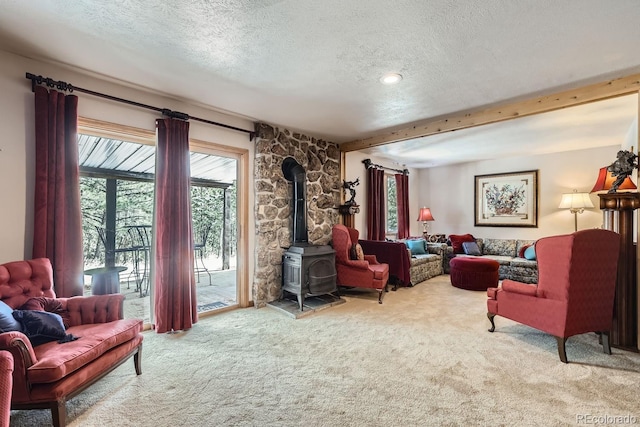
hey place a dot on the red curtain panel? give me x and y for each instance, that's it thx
(57, 230)
(375, 204)
(174, 280)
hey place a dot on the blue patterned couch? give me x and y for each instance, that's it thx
(505, 251)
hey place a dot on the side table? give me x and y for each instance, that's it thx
(105, 280)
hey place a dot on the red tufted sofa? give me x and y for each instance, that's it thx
(45, 376)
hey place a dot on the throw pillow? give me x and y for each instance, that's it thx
(7, 321)
(458, 239)
(41, 326)
(530, 253)
(471, 248)
(356, 252)
(522, 249)
(417, 247)
(52, 305)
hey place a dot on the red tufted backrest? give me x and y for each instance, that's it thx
(21, 280)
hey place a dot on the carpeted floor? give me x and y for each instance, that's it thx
(423, 358)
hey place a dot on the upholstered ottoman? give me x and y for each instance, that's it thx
(475, 274)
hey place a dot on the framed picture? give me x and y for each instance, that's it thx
(507, 199)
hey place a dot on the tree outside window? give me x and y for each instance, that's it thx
(392, 205)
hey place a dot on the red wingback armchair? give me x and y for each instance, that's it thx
(6, 384)
(575, 290)
(367, 273)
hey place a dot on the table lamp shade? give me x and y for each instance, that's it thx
(605, 181)
(425, 215)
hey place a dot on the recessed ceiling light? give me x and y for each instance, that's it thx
(390, 78)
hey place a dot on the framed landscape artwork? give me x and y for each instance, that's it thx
(507, 199)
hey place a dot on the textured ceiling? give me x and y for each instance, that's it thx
(314, 66)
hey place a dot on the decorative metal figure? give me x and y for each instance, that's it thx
(622, 167)
(351, 187)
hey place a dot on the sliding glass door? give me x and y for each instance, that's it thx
(117, 199)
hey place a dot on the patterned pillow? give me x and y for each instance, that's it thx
(504, 247)
(356, 252)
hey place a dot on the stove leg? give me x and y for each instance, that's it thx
(300, 301)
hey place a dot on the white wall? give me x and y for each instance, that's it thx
(17, 141)
(449, 192)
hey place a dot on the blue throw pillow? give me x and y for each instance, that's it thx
(40, 326)
(530, 253)
(416, 246)
(7, 321)
(471, 248)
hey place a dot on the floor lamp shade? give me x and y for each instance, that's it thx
(576, 203)
(605, 181)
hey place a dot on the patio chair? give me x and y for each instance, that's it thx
(199, 245)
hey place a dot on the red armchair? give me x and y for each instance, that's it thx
(575, 290)
(46, 375)
(6, 384)
(367, 273)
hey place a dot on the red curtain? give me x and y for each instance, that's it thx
(375, 204)
(402, 193)
(57, 228)
(174, 280)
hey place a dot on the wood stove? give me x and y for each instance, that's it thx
(307, 270)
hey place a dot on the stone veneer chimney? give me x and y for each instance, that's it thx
(273, 194)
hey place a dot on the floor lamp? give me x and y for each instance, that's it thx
(576, 203)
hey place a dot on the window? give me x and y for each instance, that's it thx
(392, 204)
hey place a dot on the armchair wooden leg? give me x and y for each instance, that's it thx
(381, 294)
(59, 413)
(493, 325)
(606, 345)
(562, 352)
(137, 360)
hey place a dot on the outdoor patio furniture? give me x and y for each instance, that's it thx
(198, 251)
(141, 245)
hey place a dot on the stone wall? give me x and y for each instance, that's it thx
(273, 200)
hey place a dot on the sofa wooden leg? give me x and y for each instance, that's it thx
(606, 345)
(562, 352)
(493, 325)
(59, 413)
(137, 360)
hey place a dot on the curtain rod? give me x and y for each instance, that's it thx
(368, 164)
(67, 87)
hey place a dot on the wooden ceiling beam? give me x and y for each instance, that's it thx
(462, 120)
